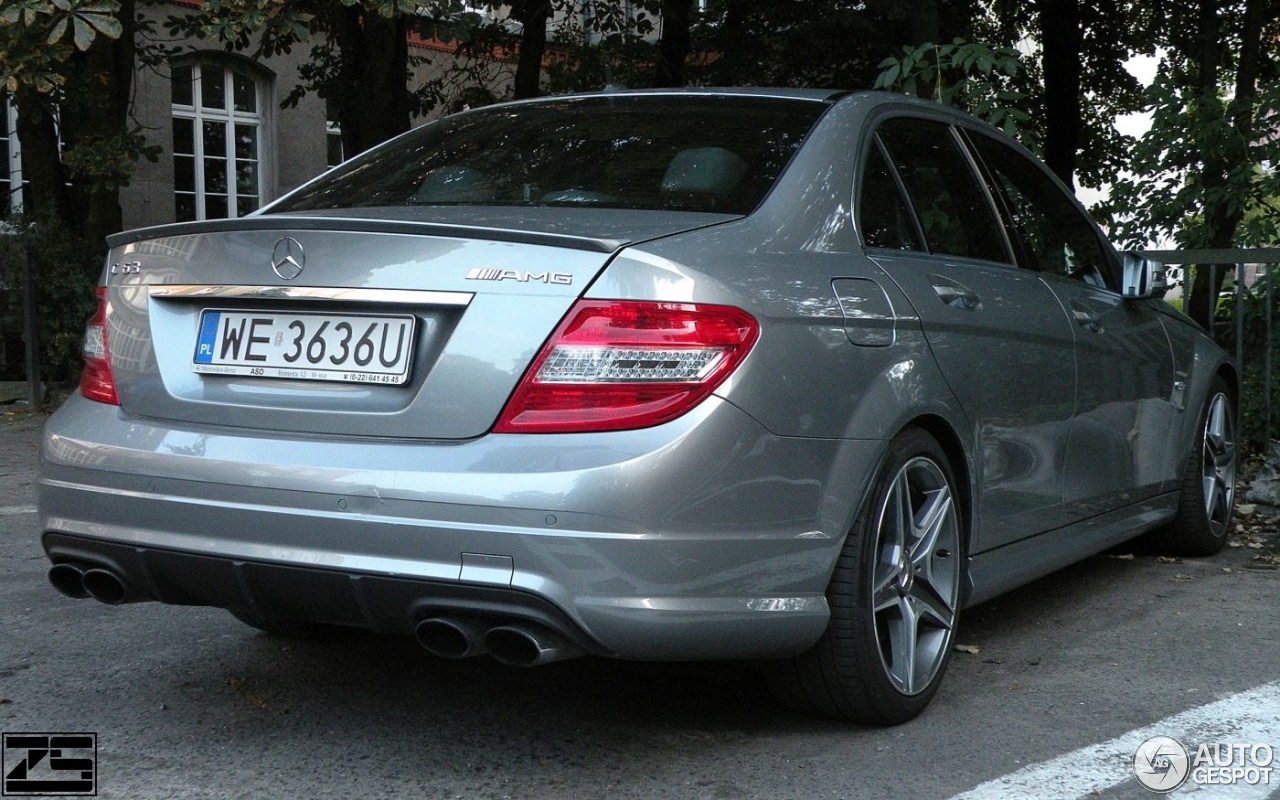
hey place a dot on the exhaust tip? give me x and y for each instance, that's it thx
(68, 579)
(526, 646)
(105, 587)
(450, 638)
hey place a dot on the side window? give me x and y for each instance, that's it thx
(882, 213)
(949, 201)
(1049, 232)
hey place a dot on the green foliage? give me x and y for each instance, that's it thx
(37, 37)
(107, 162)
(606, 47)
(1165, 195)
(971, 76)
(65, 270)
(1260, 335)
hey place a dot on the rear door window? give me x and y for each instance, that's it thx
(884, 219)
(950, 202)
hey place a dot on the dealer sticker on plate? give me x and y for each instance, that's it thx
(355, 348)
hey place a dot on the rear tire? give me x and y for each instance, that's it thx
(894, 597)
(1207, 499)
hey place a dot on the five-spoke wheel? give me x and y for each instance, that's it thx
(895, 596)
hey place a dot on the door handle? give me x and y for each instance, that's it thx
(955, 294)
(1087, 321)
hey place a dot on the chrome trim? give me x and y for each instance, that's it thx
(171, 291)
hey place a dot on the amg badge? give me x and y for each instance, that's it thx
(523, 276)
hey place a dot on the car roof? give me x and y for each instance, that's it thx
(818, 95)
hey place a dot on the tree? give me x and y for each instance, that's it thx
(533, 16)
(833, 43)
(673, 47)
(1212, 151)
(69, 65)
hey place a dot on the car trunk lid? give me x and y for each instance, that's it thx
(324, 325)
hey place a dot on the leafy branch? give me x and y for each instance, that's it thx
(971, 76)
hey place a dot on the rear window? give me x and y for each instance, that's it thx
(664, 152)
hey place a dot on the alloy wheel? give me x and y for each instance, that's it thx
(916, 583)
(1219, 464)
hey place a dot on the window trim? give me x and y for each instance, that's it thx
(875, 123)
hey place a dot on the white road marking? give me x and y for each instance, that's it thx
(1251, 717)
(6, 511)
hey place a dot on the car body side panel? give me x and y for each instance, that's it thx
(1123, 428)
(1196, 360)
(1009, 356)
(997, 571)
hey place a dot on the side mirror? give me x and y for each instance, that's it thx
(1142, 277)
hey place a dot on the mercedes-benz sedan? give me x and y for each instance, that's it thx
(773, 375)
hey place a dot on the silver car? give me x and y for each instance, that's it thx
(774, 375)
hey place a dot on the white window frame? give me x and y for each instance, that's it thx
(229, 117)
(13, 166)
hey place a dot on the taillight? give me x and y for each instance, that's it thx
(96, 381)
(616, 365)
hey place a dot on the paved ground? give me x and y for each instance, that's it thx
(188, 703)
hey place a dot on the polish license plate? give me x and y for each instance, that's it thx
(353, 348)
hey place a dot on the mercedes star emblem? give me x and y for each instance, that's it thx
(287, 259)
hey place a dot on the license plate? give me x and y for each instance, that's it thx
(355, 348)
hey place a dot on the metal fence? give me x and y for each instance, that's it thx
(1240, 310)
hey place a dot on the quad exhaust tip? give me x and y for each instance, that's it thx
(521, 645)
(449, 637)
(105, 587)
(68, 579)
(80, 581)
(516, 644)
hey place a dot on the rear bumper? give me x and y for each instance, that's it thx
(704, 538)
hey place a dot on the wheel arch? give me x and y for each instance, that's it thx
(1231, 376)
(957, 459)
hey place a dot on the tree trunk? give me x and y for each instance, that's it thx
(95, 118)
(673, 48)
(372, 97)
(1062, 36)
(41, 162)
(731, 46)
(533, 16)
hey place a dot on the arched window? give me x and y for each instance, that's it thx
(217, 141)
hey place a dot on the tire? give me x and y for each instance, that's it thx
(894, 597)
(1206, 501)
(293, 629)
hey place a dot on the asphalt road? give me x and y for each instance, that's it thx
(189, 703)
